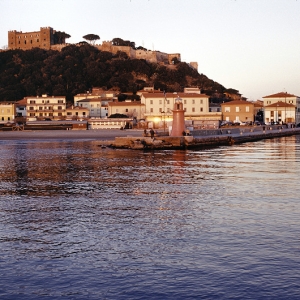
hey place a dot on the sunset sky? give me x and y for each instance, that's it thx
(249, 45)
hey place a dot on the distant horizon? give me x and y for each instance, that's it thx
(250, 46)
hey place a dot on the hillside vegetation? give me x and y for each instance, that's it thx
(76, 69)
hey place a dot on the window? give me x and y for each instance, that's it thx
(40, 108)
(60, 101)
(193, 109)
(160, 109)
(8, 119)
(237, 109)
(247, 109)
(126, 110)
(151, 101)
(227, 109)
(31, 108)
(59, 107)
(193, 101)
(151, 110)
(160, 101)
(201, 101)
(184, 101)
(32, 102)
(201, 108)
(168, 101)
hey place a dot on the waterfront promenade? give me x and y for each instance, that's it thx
(107, 136)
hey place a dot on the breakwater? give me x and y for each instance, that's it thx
(218, 138)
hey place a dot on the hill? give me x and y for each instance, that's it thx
(76, 69)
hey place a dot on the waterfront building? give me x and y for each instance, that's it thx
(285, 107)
(238, 111)
(159, 106)
(46, 107)
(97, 107)
(132, 109)
(280, 112)
(110, 123)
(21, 108)
(96, 102)
(77, 113)
(7, 111)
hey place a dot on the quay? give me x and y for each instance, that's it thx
(204, 138)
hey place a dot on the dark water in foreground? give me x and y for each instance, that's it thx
(81, 222)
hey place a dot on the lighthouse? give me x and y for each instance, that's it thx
(178, 126)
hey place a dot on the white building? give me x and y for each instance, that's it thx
(96, 101)
(282, 107)
(46, 107)
(97, 107)
(159, 106)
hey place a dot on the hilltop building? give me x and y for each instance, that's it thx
(44, 38)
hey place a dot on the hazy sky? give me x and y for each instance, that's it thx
(249, 45)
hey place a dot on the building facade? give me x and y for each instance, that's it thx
(96, 102)
(132, 109)
(77, 113)
(286, 100)
(238, 111)
(44, 39)
(46, 107)
(7, 112)
(280, 112)
(159, 106)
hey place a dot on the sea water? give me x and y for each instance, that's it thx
(78, 221)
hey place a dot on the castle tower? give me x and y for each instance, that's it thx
(178, 125)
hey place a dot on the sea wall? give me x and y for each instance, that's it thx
(192, 142)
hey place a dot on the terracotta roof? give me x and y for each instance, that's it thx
(237, 102)
(280, 104)
(76, 108)
(172, 95)
(124, 103)
(91, 100)
(21, 102)
(280, 95)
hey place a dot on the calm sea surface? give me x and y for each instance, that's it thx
(81, 222)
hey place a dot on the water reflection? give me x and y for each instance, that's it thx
(81, 222)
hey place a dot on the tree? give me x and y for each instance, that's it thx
(60, 37)
(91, 37)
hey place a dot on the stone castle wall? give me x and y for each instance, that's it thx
(28, 40)
(152, 56)
(45, 39)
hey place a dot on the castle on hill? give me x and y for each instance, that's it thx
(45, 39)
